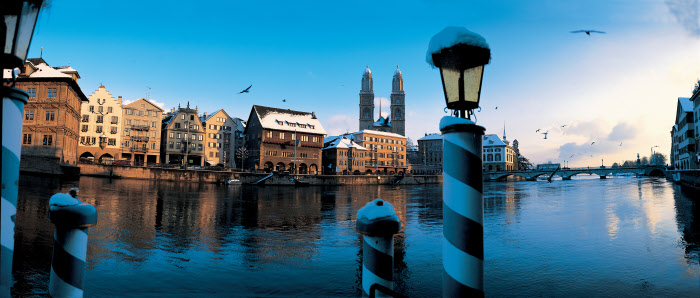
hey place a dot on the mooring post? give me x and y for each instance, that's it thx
(462, 208)
(72, 218)
(378, 223)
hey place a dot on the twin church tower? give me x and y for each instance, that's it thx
(396, 121)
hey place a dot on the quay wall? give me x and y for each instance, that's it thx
(207, 176)
(689, 178)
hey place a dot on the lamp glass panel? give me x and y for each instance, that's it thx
(472, 83)
(450, 79)
(11, 26)
(30, 11)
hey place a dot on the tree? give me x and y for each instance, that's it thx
(615, 165)
(241, 155)
(645, 160)
(629, 163)
(658, 159)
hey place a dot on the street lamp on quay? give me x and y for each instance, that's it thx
(651, 157)
(461, 55)
(17, 27)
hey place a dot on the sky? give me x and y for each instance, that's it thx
(618, 89)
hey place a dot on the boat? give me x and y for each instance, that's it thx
(234, 182)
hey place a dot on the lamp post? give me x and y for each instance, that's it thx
(651, 157)
(461, 55)
(17, 27)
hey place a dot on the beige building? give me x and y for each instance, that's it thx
(100, 127)
(498, 154)
(342, 155)
(220, 139)
(142, 132)
(182, 137)
(387, 151)
(52, 114)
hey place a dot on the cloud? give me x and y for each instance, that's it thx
(339, 124)
(385, 105)
(687, 13)
(623, 131)
(591, 129)
(159, 104)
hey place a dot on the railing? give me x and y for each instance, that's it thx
(139, 139)
(139, 127)
(138, 149)
(85, 120)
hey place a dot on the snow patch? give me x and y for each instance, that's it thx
(62, 200)
(373, 211)
(452, 36)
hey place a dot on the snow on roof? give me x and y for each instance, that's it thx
(432, 136)
(492, 140)
(451, 36)
(288, 120)
(168, 119)
(376, 132)
(343, 142)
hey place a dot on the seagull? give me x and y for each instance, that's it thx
(246, 90)
(572, 155)
(284, 100)
(496, 107)
(545, 134)
(620, 144)
(563, 126)
(592, 143)
(588, 32)
(538, 130)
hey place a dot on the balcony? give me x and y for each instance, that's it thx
(140, 127)
(139, 139)
(138, 149)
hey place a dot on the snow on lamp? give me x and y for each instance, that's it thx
(461, 55)
(19, 20)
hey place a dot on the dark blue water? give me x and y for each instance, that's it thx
(586, 237)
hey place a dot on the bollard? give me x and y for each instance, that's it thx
(462, 208)
(71, 218)
(378, 223)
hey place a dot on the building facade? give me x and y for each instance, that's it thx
(142, 132)
(386, 151)
(684, 138)
(220, 137)
(396, 121)
(100, 127)
(341, 155)
(430, 151)
(695, 98)
(498, 154)
(280, 139)
(51, 126)
(182, 137)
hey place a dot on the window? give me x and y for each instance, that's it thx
(48, 139)
(282, 135)
(304, 138)
(112, 142)
(269, 134)
(153, 124)
(52, 92)
(32, 92)
(113, 130)
(109, 109)
(193, 137)
(172, 135)
(201, 137)
(85, 128)
(49, 115)
(191, 117)
(100, 118)
(115, 120)
(153, 146)
(170, 145)
(177, 146)
(27, 139)
(178, 135)
(28, 115)
(100, 109)
(99, 129)
(86, 118)
(177, 125)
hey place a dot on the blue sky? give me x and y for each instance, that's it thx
(618, 87)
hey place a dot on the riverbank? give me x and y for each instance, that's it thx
(209, 176)
(687, 178)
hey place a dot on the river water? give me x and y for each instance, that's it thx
(584, 237)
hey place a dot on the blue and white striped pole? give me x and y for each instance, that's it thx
(462, 208)
(378, 223)
(71, 218)
(13, 101)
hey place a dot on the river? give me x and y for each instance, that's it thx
(585, 237)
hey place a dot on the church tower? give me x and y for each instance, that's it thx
(367, 100)
(398, 105)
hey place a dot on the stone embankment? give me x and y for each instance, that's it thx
(688, 178)
(207, 176)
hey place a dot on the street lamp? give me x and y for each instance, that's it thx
(651, 157)
(17, 27)
(461, 55)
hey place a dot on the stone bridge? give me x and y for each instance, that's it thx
(567, 173)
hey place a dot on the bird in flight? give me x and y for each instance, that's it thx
(620, 144)
(545, 134)
(592, 143)
(563, 126)
(246, 90)
(572, 155)
(588, 32)
(284, 100)
(496, 107)
(538, 130)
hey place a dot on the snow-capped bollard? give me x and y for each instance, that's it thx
(71, 218)
(462, 208)
(378, 223)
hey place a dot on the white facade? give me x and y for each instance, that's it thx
(100, 126)
(497, 155)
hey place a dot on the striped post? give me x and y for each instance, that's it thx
(13, 101)
(71, 218)
(378, 223)
(462, 209)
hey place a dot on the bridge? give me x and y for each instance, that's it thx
(567, 173)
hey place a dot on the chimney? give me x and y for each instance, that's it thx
(119, 100)
(205, 115)
(313, 115)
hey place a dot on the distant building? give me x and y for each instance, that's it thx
(684, 136)
(498, 154)
(142, 132)
(279, 139)
(386, 151)
(101, 127)
(695, 98)
(182, 137)
(548, 166)
(412, 155)
(396, 121)
(341, 155)
(220, 138)
(51, 126)
(430, 151)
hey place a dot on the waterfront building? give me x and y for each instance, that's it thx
(412, 156)
(278, 139)
(674, 147)
(100, 127)
(393, 123)
(142, 122)
(182, 137)
(684, 138)
(498, 154)
(386, 151)
(220, 137)
(51, 126)
(695, 98)
(341, 155)
(430, 151)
